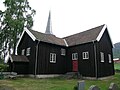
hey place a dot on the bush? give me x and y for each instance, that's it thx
(3, 67)
(75, 87)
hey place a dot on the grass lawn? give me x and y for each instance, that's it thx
(56, 83)
(117, 66)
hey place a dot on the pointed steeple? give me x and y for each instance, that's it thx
(49, 25)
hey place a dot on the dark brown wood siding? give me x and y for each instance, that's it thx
(20, 67)
(25, 43)
(104, 45)
(44, 65)
(86, 67)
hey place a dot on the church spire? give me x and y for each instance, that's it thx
(49, 26)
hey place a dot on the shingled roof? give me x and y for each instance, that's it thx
(76, 39)
(84, 37)
(49, 38)
(18, 58)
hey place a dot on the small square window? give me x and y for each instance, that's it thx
(52, 57)
(23, 52)
(102, 56)
(63, 52)
(28, 51)
(85, 55)
(109, 56)
(75, 56)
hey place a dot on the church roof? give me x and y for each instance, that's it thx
(90, 35)
(85, 36)
(49, 38)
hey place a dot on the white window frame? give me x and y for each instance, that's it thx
(23, 52)
(85, 55)
(28, 51)
(63, 51)
(102, 57)
(52, 58)
(74, 56)
(109, 57)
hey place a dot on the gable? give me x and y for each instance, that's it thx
(105, 39)
(23, 33)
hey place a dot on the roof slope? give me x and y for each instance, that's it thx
(76, 39)
(84, 37)
(18, 58)
(49, 38)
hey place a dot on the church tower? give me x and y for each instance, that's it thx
(49, 25)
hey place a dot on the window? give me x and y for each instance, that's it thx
(109, 56)
(63, 52)
(28, 51)
(23, 52)
(52, 57)
(75, 56)
(102, 56)
(85, 55)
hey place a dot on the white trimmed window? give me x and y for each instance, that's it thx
(23, 52)
(75, 56)
(52, 57)
(28, 51)
(63, 51)
(102, 56)
(85, 55)
(109, 57)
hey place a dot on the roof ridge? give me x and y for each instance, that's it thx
(84, 31)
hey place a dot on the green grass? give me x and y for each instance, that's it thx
(117, 66)
(56, 83)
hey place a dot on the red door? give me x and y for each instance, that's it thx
(75, 65)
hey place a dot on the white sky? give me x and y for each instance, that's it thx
(74, 16)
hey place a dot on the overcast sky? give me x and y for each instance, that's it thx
(74, 16)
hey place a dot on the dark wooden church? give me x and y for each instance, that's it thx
(88, 52)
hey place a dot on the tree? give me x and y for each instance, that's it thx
(17, 16)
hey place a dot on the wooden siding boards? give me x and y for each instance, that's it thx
(86, 67)
(20, 67)
(77, 43)
(25, 43)
(104, 45)
(44, 65)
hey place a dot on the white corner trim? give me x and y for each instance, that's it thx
(110, 37)
(29, 33)
(101, 33)
(65, 42)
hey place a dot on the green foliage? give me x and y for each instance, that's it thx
(117, 66)
(17, 16)
(1, 61)
(3, 67)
